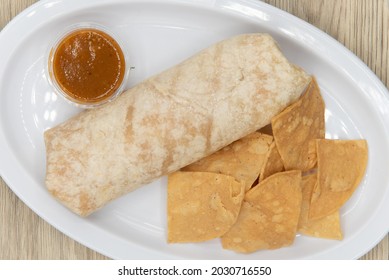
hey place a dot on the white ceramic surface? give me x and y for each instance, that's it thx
(159, 34)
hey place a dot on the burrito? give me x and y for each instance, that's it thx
(170, 120)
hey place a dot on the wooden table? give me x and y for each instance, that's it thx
(361, 25)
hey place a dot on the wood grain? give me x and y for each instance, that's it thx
(361, 25)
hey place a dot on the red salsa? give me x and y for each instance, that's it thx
(88, 65)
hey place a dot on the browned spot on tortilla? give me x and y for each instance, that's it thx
(168, 159)
(145, 154)
(208, 129)
(129, 133)
(57, 194)
(86, 204)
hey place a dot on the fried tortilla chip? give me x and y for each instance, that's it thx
(243, 159)
(273, 163)
(201, 205)
(312, 155)
(326, 227)
(341, 167)
(269, 215)
(297, 125)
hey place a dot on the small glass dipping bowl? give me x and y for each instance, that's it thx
(87, 65)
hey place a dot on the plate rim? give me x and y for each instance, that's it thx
(11, 180)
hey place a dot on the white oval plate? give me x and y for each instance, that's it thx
(158, 35)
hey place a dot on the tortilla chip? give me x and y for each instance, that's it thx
(294, 127)
(243, 159)
(273, 163)
(341, 167)
(201, 205)
(312, 155)
(326, 227)
(269, 215)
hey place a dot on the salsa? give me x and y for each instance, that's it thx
(88, 65)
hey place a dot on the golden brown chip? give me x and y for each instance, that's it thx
(341, 167)
(269, 215)
(294, 127)
(312, 156)
(242, 159)
(326, 227)
(273, 163)
(201, 205)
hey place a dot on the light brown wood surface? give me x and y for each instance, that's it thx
(361, 25)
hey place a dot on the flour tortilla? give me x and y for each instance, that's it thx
(170, 120)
